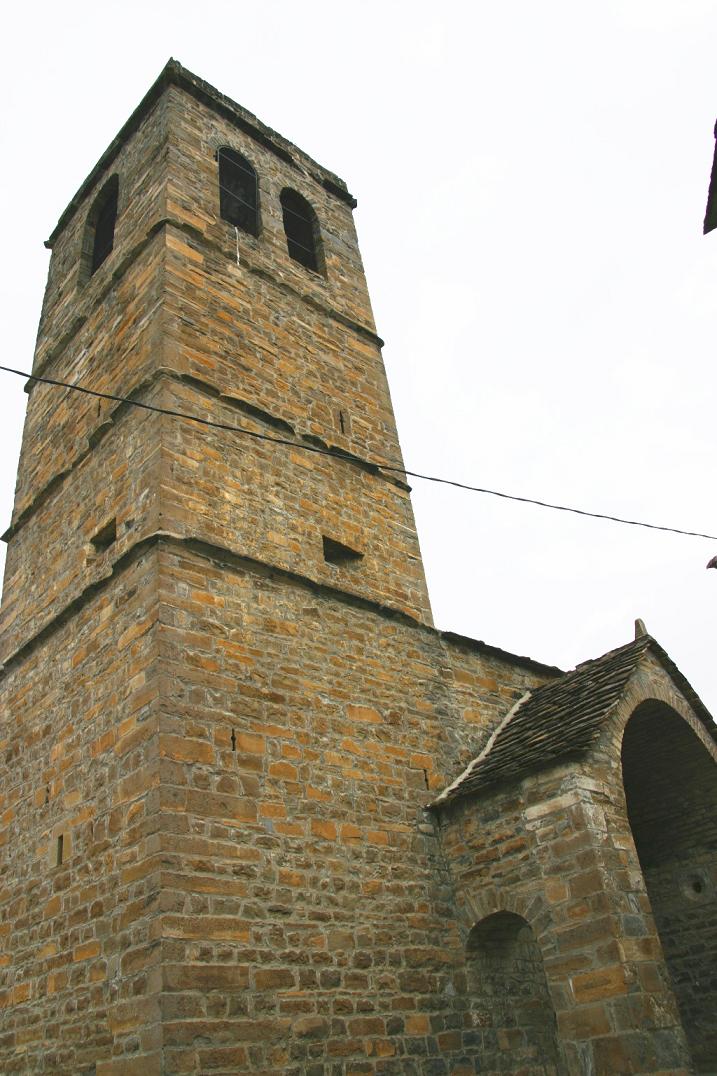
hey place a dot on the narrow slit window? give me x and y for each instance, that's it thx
(338, 553)
(302, 230)
(105, 536)
(60, 850)
(343, 422)
(101, 225)
(238, 191)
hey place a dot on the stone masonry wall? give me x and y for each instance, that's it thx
(78, 759)
(557, 849)
(195, 134)
(309, 926)
(51, 560)
(274, 504)
(105, 333)
(114, 351)
(240, 773)
(70, 301)
(297, 351)
(539, 851)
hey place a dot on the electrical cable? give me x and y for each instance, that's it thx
(337, 453)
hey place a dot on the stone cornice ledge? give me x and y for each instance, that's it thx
(223, 555)
(211, 392)
(129, 259)
(209, 551)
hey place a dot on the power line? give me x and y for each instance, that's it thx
(337, 453)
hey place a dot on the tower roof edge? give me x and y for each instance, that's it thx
(173, 74)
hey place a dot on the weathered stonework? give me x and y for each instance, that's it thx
(218, 747)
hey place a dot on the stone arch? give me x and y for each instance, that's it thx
(670, 785)
(530, 906)
(649, 685)
(507, 991)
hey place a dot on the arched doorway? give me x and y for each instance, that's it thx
(670, 781)
(509, 996)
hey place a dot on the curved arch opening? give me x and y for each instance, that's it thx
(670, 782)
(301, 227)
(508, 989)
(238, 191)
(99, 235)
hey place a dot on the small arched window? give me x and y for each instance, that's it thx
(302, 229)
(100, 228)
(238, 191)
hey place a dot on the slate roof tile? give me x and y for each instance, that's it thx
(562, 719)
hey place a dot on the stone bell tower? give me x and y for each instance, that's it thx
(209, 267)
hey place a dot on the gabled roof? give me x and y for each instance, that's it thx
(563, 718)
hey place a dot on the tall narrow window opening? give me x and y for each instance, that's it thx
(301, 228)
(99, 237)
(105, 218)
(60, 850)
(238, 191)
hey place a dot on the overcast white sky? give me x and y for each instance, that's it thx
(531, 182)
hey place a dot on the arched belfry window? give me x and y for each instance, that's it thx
(302, 230)
(100, 227)
(238, 191)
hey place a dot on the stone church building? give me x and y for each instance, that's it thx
(256, 813)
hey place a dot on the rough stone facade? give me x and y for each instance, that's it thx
(221, 753)
(616, 878)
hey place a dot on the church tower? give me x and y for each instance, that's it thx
(152, 680)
